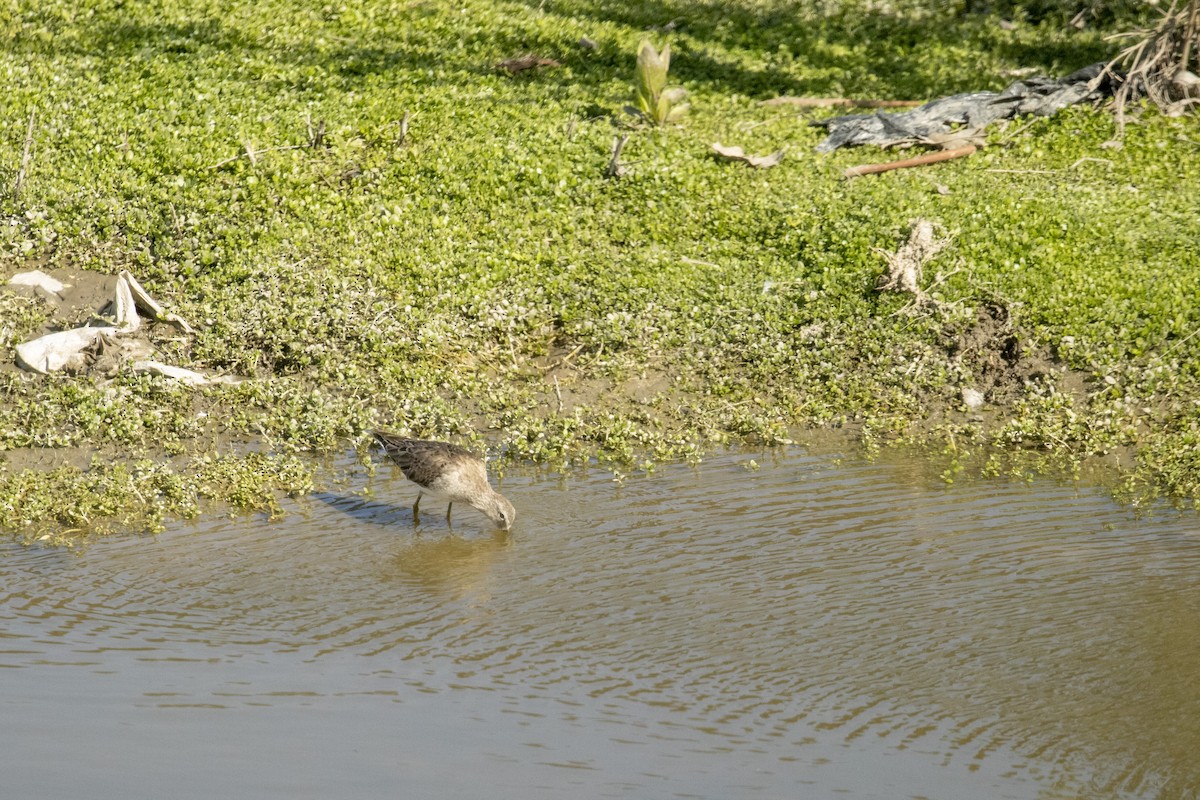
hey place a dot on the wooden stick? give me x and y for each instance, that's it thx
(404, 127)
(919, 161)
(840, 102)
(615, 168)
(1189, 33)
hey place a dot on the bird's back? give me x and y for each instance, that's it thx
(425, 462)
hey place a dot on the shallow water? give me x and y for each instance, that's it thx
(817, 627)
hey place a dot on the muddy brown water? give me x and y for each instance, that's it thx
(818, 627)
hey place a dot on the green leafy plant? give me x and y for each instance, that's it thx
(676, 312)
(655, 101)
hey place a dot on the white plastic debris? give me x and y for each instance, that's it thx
(146, 303)
(124, 307)
(88, 347)
(183, 375)
(61, 350)
(38, 279)
(174, 373)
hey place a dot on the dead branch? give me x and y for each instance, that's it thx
(1157, 65)
(1189, 36)
(919, 161)
(558, 394)
(562, 362)
(316, 136)
(404, 128)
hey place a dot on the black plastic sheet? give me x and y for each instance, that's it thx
(1040, 96)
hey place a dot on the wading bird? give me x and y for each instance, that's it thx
(447, 472)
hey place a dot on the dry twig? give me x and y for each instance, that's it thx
(316, 137)
(26, 158)
(404, 128)
(565, 361)
(615, 168)
(253, 154)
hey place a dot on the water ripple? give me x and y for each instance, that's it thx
(804, 607)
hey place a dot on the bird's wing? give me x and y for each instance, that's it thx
(422, 461)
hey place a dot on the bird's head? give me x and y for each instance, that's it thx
(499, 511)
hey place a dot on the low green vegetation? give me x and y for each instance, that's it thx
(368, 220)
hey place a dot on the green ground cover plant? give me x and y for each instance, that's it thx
(368, 220)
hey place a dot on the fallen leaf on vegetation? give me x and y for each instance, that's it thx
(737, 154)
(528, 61)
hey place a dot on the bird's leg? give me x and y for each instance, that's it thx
(448, 507)
(416, 512)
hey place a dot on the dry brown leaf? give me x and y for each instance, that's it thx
(528, 61)
(737, 154)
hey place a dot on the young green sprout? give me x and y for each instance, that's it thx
(655, 101)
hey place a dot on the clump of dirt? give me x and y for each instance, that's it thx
(85, 296)
(999, 361)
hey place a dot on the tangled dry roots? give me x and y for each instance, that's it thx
(1157, 65)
